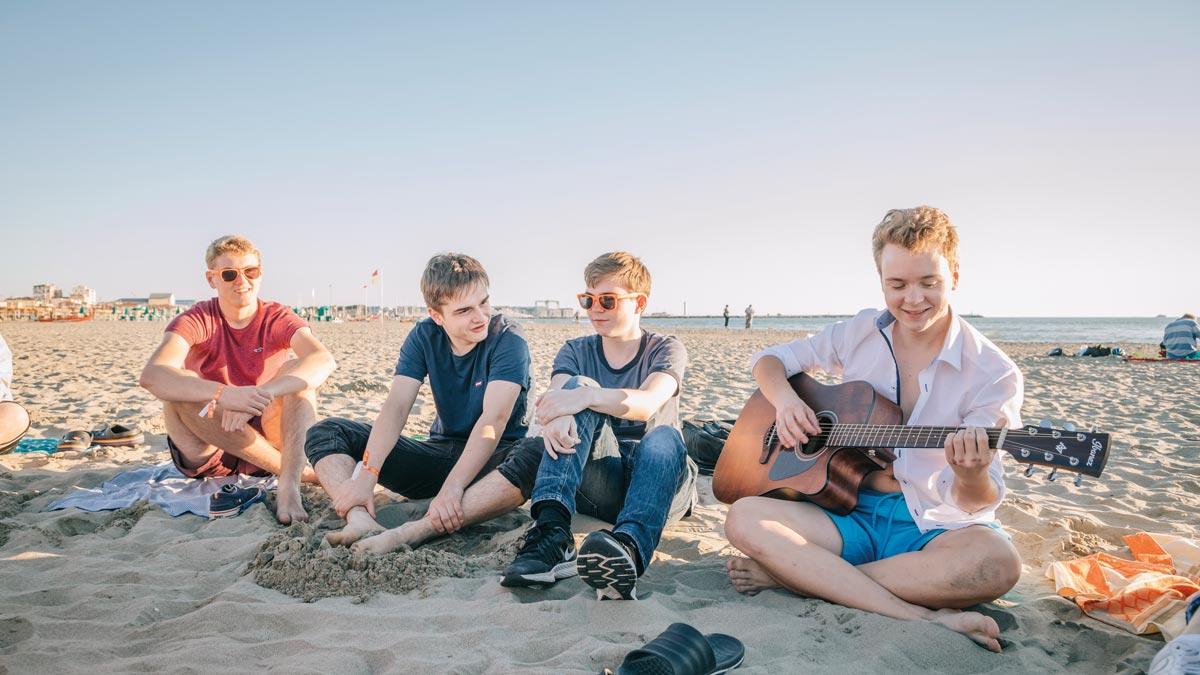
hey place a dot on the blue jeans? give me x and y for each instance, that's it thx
(639, 486)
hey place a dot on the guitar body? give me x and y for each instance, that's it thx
(754, 463)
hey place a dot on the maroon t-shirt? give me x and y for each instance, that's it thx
(236, 356)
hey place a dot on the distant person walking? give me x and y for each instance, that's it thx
(726, 315)
(1180, 338)
(749, 315)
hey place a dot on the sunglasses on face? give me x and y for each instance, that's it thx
(230, 274)
(606, 300)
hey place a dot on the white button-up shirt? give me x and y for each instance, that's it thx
(970, 383)
(6, 371)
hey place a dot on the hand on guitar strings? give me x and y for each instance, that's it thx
(969, 456)
(560, 436)
(794, 421)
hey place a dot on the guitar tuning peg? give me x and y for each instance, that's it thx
(1067, 426)
(1078, 479)
(1053, 476)
(1029, 471)
(1094, 429)
(1045, 424)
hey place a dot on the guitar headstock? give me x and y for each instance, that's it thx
(1068, 448)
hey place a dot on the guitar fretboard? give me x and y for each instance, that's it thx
(891, 436)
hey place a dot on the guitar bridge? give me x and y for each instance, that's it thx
(769, 441)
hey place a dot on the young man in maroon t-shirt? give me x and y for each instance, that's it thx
(234, 401)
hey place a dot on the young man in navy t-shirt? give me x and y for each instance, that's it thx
(471, 466)
(612, 442)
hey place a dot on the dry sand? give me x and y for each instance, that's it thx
(135, 590)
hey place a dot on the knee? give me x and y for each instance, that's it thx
(14, 419)
(995, 569)
(741, 524)
(580, 381)
(323, 438)
(663, 444)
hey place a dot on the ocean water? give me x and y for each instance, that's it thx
(1066, 331)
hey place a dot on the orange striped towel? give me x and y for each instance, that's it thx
(1143, 595)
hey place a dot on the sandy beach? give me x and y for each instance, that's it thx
(135, 590)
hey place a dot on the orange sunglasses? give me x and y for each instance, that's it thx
(230, 274)
(606, 300)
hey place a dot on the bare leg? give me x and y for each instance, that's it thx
(333, 470)
(489, 497)
(799, 547)
(286, 431)
(749, 577)
(14, 421)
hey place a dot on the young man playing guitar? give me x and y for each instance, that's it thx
(922, 542)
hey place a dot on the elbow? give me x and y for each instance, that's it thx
(146, 381)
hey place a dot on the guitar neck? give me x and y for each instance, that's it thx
(899, 436)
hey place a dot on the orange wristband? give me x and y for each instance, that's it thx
(368, 467)
(212, 405)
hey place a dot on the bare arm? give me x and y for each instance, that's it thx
(310, 370)
(445, 511)
(794, 420)
(384, 434)
(165, 377)
(638, 404)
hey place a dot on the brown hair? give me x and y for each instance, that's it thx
(918, 229)
(626, 268)
(447, 275)
(230, 243)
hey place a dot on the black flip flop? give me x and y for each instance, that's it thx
(75, 440)
(683, 650)
(118, 434)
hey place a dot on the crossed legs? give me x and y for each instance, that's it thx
(279, 449)
(795, 546)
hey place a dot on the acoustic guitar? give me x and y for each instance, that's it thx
(859, 433)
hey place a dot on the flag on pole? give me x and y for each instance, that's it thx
(375, 277)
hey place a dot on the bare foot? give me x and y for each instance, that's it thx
(979, 627)
(388, 540)
(748, 577)
(309, 476)
(359, 524)
(289, 508)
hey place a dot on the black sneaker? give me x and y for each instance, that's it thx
(232, 500)
(547, 556)
(606, 564)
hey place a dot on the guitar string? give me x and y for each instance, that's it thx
(873, 434)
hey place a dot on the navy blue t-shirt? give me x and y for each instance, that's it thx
(458, 382)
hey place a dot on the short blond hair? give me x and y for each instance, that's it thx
(230, 243)
(626, 268)
(917, 230)
(448, 274)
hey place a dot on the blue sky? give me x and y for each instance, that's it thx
(745, 151)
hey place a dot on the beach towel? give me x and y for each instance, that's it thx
(161, 485)
(1145, 595)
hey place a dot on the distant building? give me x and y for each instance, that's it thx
(47, 292)
(161, 300)
(84, 295)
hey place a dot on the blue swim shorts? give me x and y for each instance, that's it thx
(879, 527)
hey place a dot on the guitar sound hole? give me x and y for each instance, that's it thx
(814, 446)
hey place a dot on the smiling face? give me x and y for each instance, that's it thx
(624, 319)
(917, 288)
(465, 317)
(240, 293)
